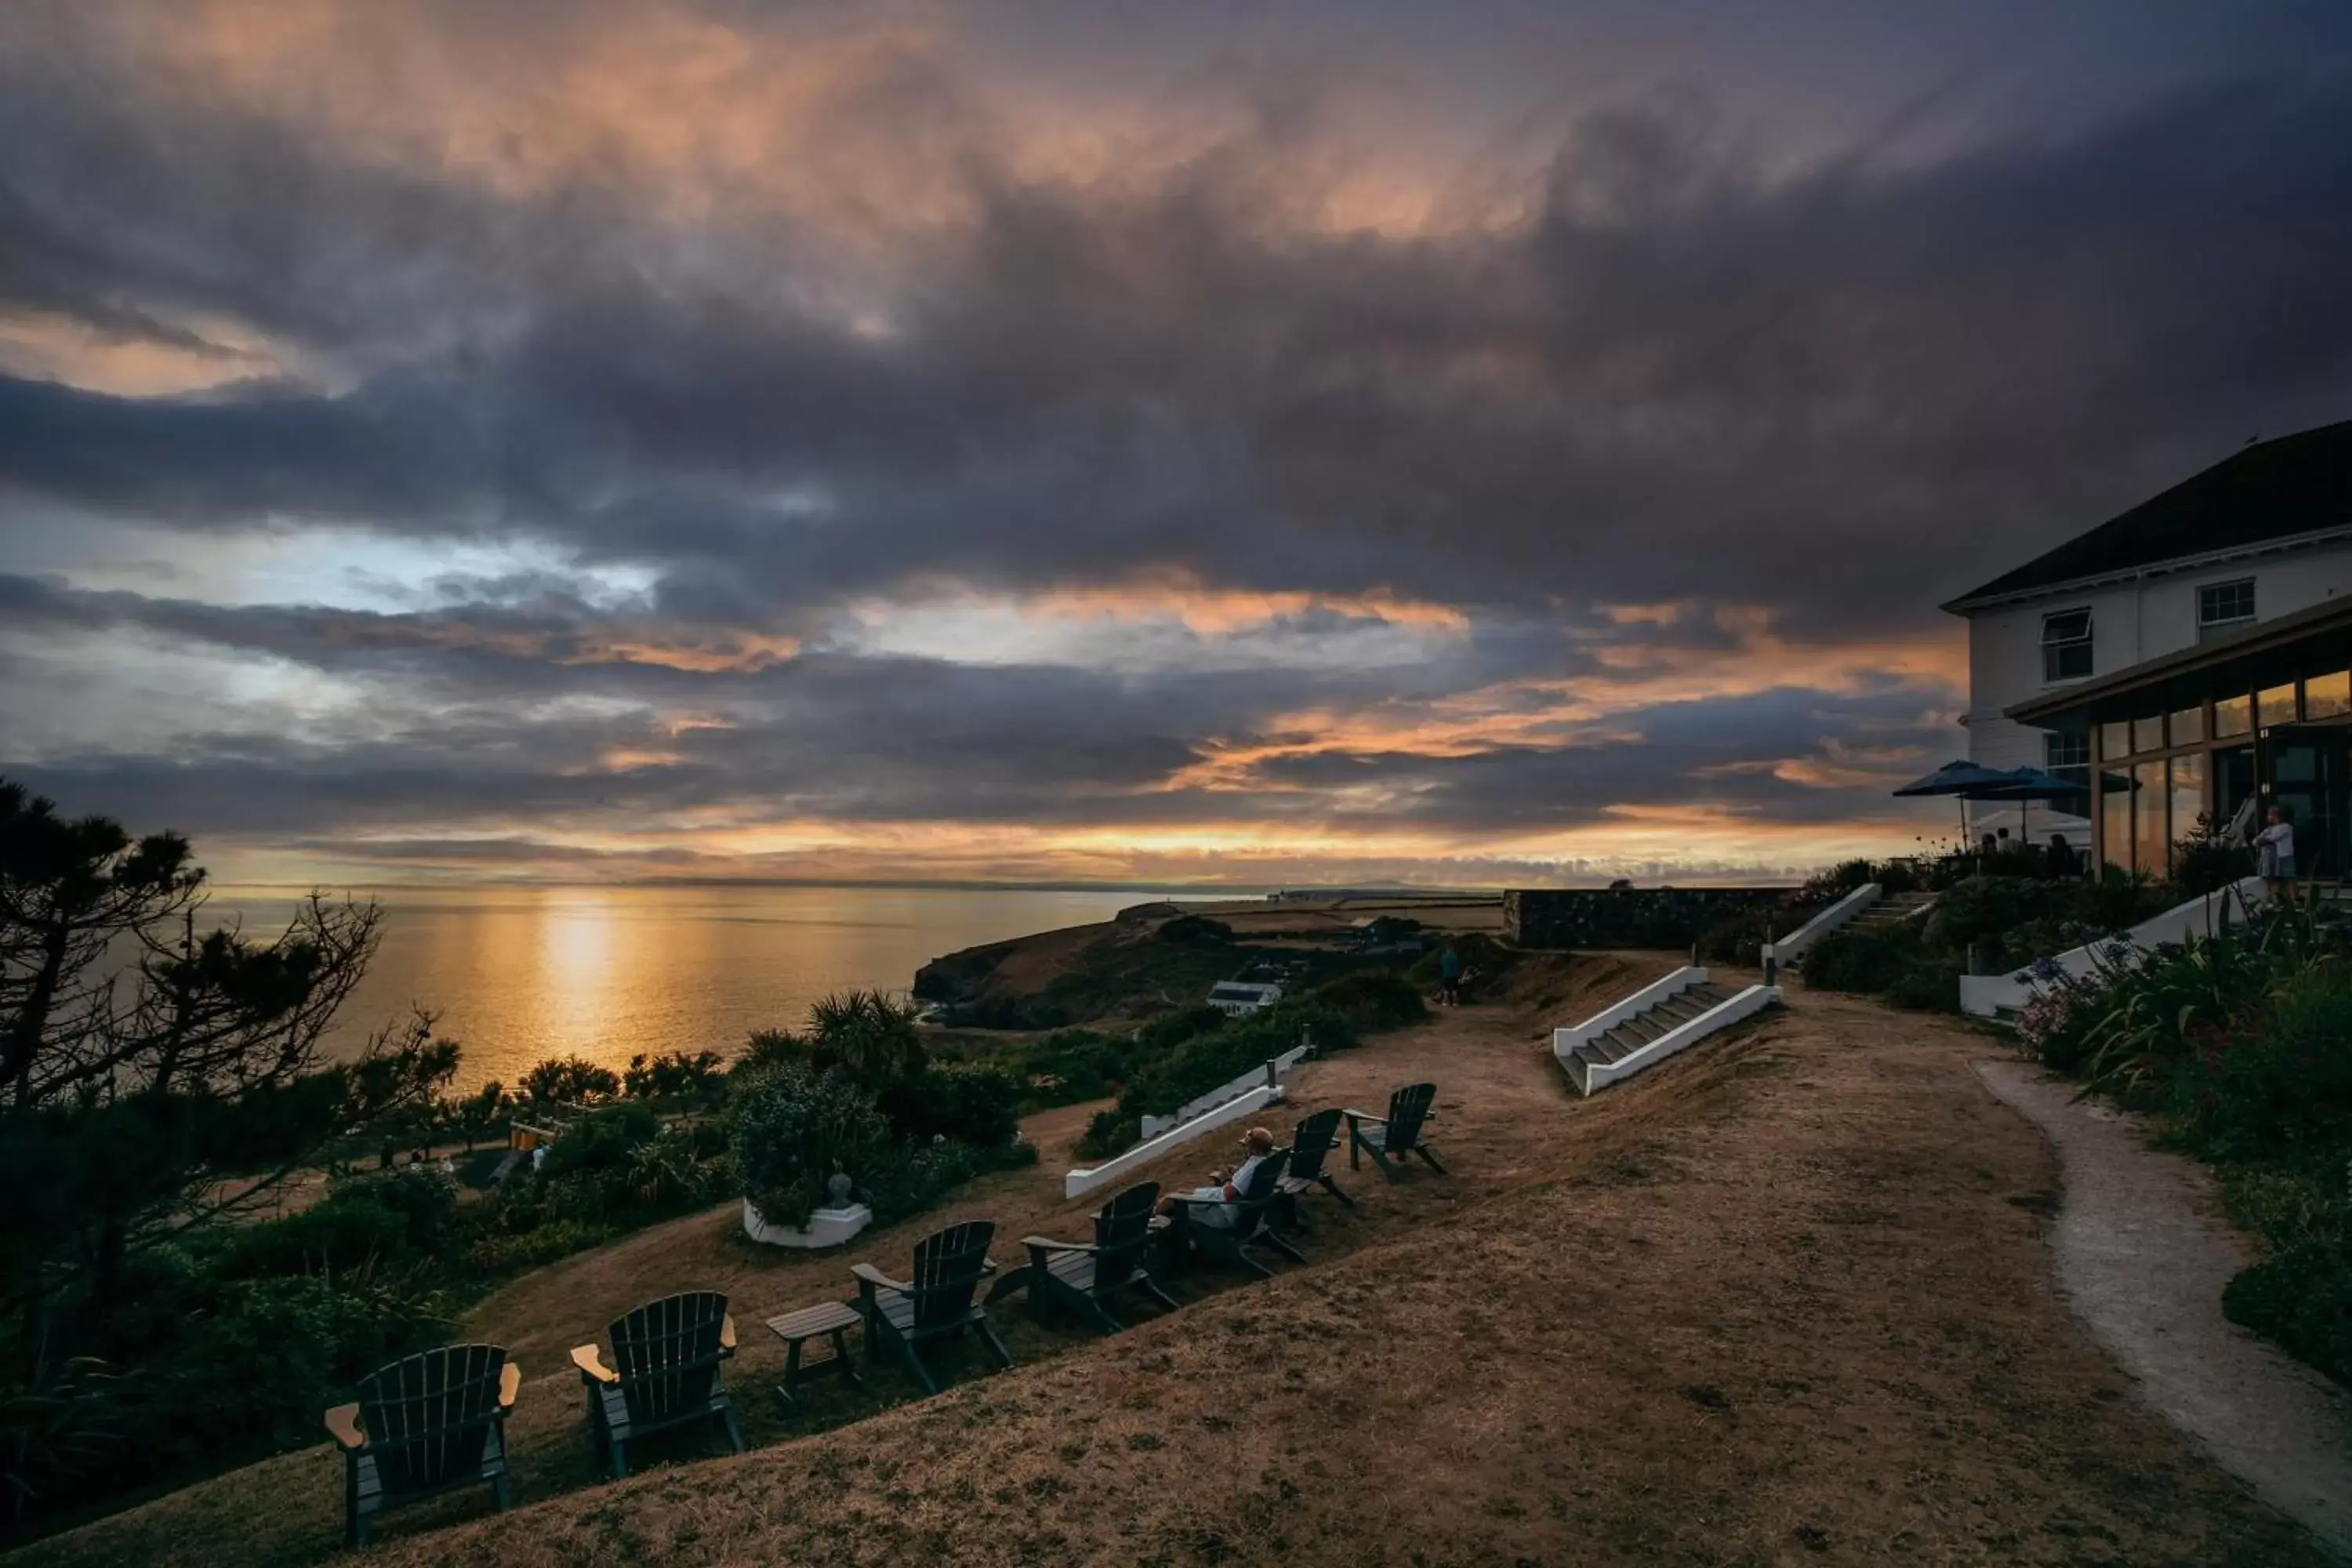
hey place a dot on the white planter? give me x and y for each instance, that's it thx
(826, 1228)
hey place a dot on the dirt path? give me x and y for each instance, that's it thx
(2142, 1257)
(1787, 1298)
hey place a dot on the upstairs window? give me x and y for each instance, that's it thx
(2066, 645)
(2068, 756)
(2224, 607)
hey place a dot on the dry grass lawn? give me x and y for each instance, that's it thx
(1784, 1300)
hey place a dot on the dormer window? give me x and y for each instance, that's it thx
(2065, 645)
(2224, 607)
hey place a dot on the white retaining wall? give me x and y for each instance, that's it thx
(1153, 1126)
(1791, 948)
(1724, 1014)
(1986, 996)
(1076, 1184)
(1566, 1040)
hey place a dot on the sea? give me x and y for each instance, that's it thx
(518, 975)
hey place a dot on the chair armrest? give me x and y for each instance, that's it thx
(590, 1360)
(1356, 1116)
(870, 1275)
(1195, 1199)
(509, 1384)
(344, 1424)
(726, 1332)
(1047, 1244)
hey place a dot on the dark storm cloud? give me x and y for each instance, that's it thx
(1827, 391)
(1656, 364)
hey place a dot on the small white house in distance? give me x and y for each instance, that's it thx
(1236, 998)
(2264, 533)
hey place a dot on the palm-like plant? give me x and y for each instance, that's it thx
(869, 1034)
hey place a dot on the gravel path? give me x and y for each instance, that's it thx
(2142, 1257)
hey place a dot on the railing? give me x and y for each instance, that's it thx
(1990, 995)
(1563, 1041)
(1598, 1076)
(1076, 1184)
(1791, 948)
(1272, 1074)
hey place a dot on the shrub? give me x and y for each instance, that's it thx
(770, 1048)
(500, 1253)
(673, 1074)
(1736, 938)
(1194, 931)
(1866, 962)
(601, 1141)
(871, 1037)
(2203, 862)
(397, 1216)
(570, 1080)
(1372, 1000)
(1927, 985)
(274, 1352)
(794, 1129)
(976, 1103)
(1108, 1132)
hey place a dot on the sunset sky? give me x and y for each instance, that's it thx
(1283, 442)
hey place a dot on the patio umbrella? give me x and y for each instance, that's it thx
(1969, 781)
(2025, 785)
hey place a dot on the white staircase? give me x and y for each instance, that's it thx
(1892, 911)
(1651, 1024)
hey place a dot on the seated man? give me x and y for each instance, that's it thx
(1228, 1185)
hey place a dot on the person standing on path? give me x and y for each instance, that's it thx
(1449, 977)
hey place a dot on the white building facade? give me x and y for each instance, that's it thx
(2188, 655)
(2022, 646)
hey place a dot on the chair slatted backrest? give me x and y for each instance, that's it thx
(1310, 1141)
(948, 1269)
(1408, 1109)
(1257, 1198)
(1123, 1230)
(427, 1418)
(667, 1354)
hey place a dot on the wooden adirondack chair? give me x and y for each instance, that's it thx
(423, 1425)
(1388, 1139)
(1312, 1142)
(1250, 1227)
(666, 1359)
(936, 1303)
(1079, 1275)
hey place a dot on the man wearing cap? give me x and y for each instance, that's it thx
(1228, 1185)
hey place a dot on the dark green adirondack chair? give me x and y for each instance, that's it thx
(1252, 1224)
(936, 1303)
(1388, 1139)
(1312, 1142)
(425, 1426)
(666, 1373)
(1078, 1276)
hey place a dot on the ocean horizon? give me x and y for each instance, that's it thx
(517, 973)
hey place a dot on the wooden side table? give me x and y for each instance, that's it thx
(796, 1329)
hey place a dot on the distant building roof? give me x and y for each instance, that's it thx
(2268, 493)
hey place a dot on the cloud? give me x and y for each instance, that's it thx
(970, 447)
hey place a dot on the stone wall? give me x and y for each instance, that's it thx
(1588, 918)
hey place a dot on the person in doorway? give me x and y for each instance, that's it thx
(2275, 855)
(1227, 1184)
(1449, 977)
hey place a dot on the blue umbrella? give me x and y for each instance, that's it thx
(1969, 781)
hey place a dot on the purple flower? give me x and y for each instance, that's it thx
(2046, 968)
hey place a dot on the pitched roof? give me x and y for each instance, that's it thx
(2269, 490)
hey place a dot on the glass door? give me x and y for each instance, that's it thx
(2305, 774)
